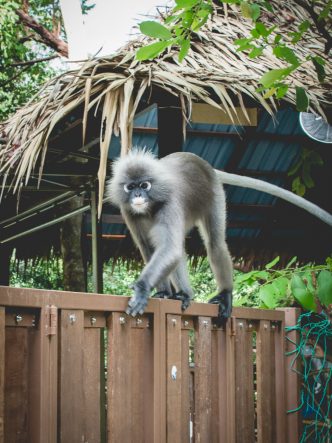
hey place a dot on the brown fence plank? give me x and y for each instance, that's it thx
(71, 376)
(119, 386)
(281, 408)
(219, 391)
(91, 386)
(186, 404)
(174, 375)
(265, 381)
(203, 380)
(293, 382)
(141, 379)
(42, 382)
(2, 373)
(244, 383)
(16, 388)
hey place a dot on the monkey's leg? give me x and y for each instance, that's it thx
(212, 229)
(180, 280)
(168, 253)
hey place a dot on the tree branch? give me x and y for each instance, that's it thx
(32, 62)
(48, 38)
(320, 24)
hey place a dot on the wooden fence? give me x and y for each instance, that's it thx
(75, 369)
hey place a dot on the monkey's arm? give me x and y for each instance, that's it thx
(165, 258)
(269, 188)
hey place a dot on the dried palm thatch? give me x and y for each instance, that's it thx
(118, 82)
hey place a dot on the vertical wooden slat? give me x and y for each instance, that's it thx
(119, 386)
(141, 381)
(71, 376)
(174, 374)
(203, 380)
(281, 408)
(16, 388)
(2, 373)
(159, 374)
(265, 381)
(42, 382)
(219, 391)
(230, 379)
(185, 387)
(244, 383)
(91, 378)
(292, 382)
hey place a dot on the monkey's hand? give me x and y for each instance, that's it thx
(224, 301)
(139, 300)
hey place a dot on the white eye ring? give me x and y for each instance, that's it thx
(145, 185)
(128, 188)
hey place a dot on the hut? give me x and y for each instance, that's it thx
(61, 144)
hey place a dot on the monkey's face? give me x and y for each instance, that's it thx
(138, 195)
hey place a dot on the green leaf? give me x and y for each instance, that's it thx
(255, 11)
(256, 52)
(155, 30)
(306, 176)
(302, 294)
(281, 90)
(319, 67)
(151, 51)
(291, 262)
(326, 11)
(268, 296)
(274, 75)
(286, 54)
(302, 101)
(246, 9)
(261, 29)
(186, 3)
(324, 292)
(184, 48)
(304, 26)
(272, 263)
(298, 187)
(262, 275)
(280, 286)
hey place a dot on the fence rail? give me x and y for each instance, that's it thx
(75, 368)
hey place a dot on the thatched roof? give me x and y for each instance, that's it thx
(214, 72)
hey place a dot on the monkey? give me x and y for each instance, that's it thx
(161, 200)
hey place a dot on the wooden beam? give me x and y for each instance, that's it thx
(170, 125)
(203, 113)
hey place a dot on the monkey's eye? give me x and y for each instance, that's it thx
(145, 185)
(129, 187)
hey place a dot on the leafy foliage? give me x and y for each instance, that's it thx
(188, 16)
(302, 171)
(21, 74)
(309, 286)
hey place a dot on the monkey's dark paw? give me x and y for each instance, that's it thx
(138, 302)
(224, 301)
(183, 297)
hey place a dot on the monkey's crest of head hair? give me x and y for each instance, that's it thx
(138, 164)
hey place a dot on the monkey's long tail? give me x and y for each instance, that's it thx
(261, 185)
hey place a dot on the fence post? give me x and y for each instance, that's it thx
(292, 382)
(2, 372)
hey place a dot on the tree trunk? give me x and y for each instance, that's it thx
(74, 269)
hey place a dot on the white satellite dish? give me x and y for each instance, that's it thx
(316, 127)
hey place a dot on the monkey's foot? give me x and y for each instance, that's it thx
(183, 297)
(139, 300)
(224, 301)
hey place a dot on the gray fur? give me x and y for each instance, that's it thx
(185, 192)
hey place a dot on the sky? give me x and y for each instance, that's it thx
(107, 26)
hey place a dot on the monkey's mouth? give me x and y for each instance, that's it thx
(139, 204)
